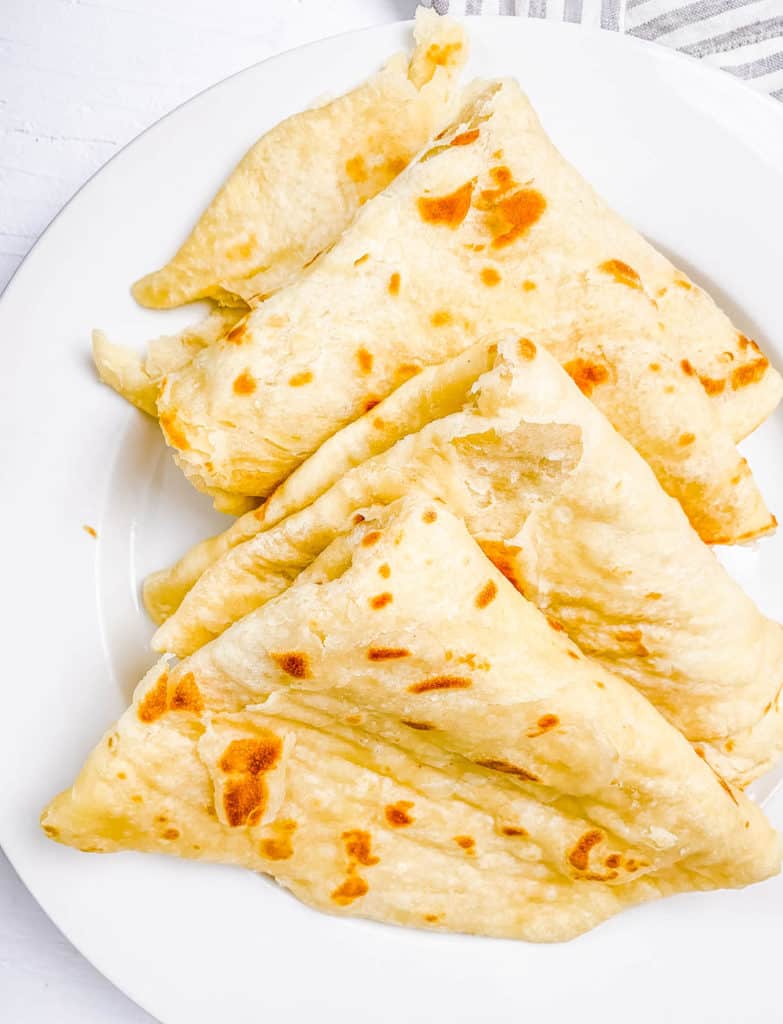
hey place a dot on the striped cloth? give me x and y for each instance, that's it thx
(743, 37)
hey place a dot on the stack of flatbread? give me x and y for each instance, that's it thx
(465, 660)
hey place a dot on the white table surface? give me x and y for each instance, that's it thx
(78, 80)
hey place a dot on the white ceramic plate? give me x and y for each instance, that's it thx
(696, 162)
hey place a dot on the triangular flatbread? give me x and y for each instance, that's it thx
(402, 736)
(300, 185)
(577, 520)
(489, 229)
(434, 392)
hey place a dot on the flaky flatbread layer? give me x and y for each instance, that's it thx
(417, 746)
(489, 229)
(300, 185)
(576, 518)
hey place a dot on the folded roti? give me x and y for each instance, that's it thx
(300, 185)
(489, 229)
(577, 520)
(440, 758)
(138, 378)
(435, 392)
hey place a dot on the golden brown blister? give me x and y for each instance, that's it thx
(517, 803)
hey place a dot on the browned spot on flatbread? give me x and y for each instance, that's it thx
(511, 217)
(526, 348)
(514, 830)
(358, 845)
(171, 833)
(429, 515)
(507, 768)
(381, 600)
(529, 286)
(653, 595)
(490, 277)
(364, 359)
(301, 378)
(449, 210)
(361, 259)
(622, 273)
(579, 857)
(370, 403)
(419, 726)
(353, 888)
(407, 370)
(387, 653)
(502, 557)
(487, 594)
(465, 842)
(553, 623)
(682, 282)
(440, 683)
(91, 530)
(277, 848)
(440, 318)
(432, 918)
(154, 702)
(713, 385)
(744, 342)
(244, 384)
(587, 375)
(397, 814)
(187, 696)
(356, 168)
(293, 663)
(750, 373)
(173, 431)
(465, 138)
(371, 538)
(687, 367)
(544, 724)
(633, 636)
(685, 439)
(384, 570)
(243, 797)
(236, 335)
(251, 756)
(394, 284)
(442, 53)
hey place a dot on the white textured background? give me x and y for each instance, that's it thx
(78, 80)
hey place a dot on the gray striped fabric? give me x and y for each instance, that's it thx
(743, 37)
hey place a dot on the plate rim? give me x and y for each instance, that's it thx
(475, 23)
